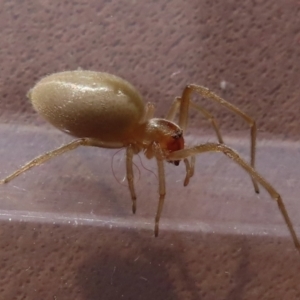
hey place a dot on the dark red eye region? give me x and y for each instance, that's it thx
(176, 144)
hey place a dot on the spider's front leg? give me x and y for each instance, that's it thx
(161, 183)
(129, 176)
(158, 154)
(190, 169)
(213, 147)
(182, 104)
(148, 114)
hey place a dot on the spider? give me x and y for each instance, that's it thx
(103, 110)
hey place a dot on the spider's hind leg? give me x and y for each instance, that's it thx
(47, 156)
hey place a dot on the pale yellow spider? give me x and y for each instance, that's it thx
(103, 110)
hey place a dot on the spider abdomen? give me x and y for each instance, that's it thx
(89, 104)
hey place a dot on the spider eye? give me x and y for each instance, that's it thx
(177, 135)
(176, 142)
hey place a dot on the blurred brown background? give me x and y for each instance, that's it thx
(253, 47)
(247, 52)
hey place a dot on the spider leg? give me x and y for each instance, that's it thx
(171, 116)
(161, 184)
(190, 168)
(184, 112)
(130, 177)
(49, 155)
(149, 113)
(204, 92)
(183, 105)
(213, 147)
